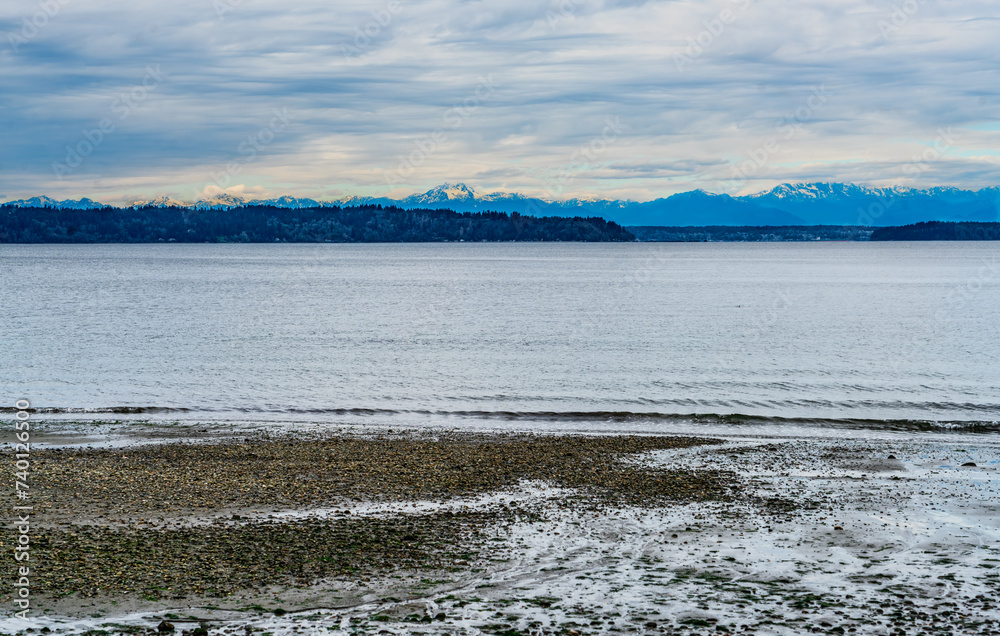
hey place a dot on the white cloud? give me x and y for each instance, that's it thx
(561, 69)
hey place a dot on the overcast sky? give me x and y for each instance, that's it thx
(114, 99)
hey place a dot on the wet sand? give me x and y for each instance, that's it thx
(470, 533)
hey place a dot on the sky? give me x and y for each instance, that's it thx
(625, 99)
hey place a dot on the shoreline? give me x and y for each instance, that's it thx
(798, 533)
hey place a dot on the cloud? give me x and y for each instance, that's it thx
(700, 89)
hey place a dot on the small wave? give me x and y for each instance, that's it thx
(738, 419)
(598, 416)
(104, 410)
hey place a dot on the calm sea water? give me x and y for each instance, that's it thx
(821, 334)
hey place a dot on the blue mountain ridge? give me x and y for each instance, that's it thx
(787, 204)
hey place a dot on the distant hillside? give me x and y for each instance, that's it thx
(939, 231)
(800, 204)
(725, 233)
(267, 224)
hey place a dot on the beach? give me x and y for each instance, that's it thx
(450, 532)
(503, 439)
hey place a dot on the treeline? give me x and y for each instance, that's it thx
(768, 233)
(940, 231)
(266, 224)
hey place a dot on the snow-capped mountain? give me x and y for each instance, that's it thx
(161, 201)
(221, 202)
(49, 202)
(287, 201)
(786, 204)
(851, 204)
(226, 201)
(445, 192)
(817, 191)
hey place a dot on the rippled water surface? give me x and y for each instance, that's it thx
(823, 334)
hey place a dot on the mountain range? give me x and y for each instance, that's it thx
(787, 204)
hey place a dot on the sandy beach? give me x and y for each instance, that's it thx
(444, 532)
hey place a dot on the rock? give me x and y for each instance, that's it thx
(342, 468)
(165, 627)
(838, 527)
(199, 631)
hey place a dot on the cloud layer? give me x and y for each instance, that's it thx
(615, 98)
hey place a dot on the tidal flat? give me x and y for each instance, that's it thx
(448, 532)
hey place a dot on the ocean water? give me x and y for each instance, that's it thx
(894, 336)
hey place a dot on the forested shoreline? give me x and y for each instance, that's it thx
(940, 231)
(750, 234)
(389, 224)
(267, 224)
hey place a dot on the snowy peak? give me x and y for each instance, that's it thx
(805, 192)
(287, 201)
(801, 192)
(221, 201)
(696, 195)
(49, 202)
(445, 192)
(457, 191)
(501, 196)
(36, 202)
(162, 201)
(226, 201)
